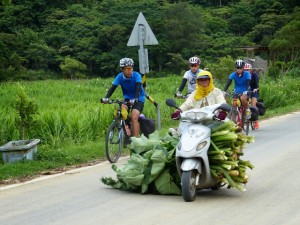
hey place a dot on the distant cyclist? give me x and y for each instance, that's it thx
(242, 81)
(133, 92)
(190, 76)
(254, 87)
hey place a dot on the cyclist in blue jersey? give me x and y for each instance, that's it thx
(242, 81)
(190, 76)
(132, 89)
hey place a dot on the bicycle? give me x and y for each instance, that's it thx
(118, 133)
(238, 113)
(252, 122)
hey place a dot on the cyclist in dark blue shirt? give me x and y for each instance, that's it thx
(254, 87)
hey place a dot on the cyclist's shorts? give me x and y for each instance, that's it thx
(254, 94)
(139, 106)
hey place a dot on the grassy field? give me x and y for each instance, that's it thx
(72, 123)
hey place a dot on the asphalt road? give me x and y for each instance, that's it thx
(78, 196)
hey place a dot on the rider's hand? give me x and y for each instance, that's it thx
(254, 90)
(222, 115)
(132, 101)
(178, 94)
(175, 115)
(104, 100)
(245, 92)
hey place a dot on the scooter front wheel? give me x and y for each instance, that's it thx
(188, 185)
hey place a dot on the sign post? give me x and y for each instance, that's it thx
(142, 35)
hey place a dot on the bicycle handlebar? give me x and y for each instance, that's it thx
(116, 101)
(233, 95)
(181, 96)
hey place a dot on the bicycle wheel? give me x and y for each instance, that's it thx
(245, 123)
(252, 125)
(233, 115)
(114, 142)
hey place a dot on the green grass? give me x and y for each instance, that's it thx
(72, 123)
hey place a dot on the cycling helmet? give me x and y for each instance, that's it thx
(239, 63)
(194, 60)
(126, 62)
(248, 66)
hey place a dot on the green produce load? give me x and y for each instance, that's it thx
(151, 167)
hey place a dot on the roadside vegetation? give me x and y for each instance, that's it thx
(72, 123)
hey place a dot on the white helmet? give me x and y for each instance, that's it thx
(126, 62)
(194, 60)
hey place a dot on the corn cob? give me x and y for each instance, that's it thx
(227, 143)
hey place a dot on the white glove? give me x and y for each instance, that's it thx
(104, 100)
(131, 101)
(178, 94)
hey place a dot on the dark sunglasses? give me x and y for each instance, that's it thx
(194, 65)
(239, 68)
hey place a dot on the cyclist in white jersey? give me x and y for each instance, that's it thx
(190, 76)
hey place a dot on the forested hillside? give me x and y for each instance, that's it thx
(42, 39)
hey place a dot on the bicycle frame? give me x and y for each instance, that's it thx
(117, 138)
(119, 117)
(238, 113)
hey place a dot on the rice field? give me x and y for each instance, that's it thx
(71, 112)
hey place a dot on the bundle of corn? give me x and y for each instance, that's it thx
(227, 144)
(151, 167)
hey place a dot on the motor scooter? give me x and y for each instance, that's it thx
(191, 151)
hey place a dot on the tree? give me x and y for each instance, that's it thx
(183, 26)
(286, 41)
(222, 69)
(242, 18)
(73, 68)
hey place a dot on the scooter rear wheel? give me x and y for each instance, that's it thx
(188, 185)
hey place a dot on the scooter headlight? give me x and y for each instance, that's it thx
(195, 116)
(201, 145)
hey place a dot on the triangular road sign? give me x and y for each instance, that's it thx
(149, 37)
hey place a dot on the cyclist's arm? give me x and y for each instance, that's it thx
(137, 90)
(228, 83)
(111, 91)
(248, 84)
(183, 82)
(256, 84)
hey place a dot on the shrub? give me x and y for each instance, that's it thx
(274, 72)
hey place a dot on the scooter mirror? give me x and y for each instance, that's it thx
(225, 107)
(171, 102)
